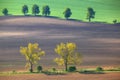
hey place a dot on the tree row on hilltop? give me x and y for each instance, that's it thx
(46, 11)
(36, 10)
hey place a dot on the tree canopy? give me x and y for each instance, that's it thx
(46, 10)
(90, 14)
(32, 54)
(67, 13)
(68, 54)
(35, 9)
(5, 11)
(24, 9)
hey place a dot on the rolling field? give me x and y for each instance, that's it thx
(106, 11)
(98, 43)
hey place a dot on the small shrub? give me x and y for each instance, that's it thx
(72, 68)
(54, 69)
(13, 71)
(99, 69)
(39, 68)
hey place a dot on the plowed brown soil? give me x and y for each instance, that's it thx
(70, 76)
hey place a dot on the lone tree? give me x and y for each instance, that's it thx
(35, 9)
(67, 54)
(46, 10)
(32, 54)
(25, 9)
(115, 21)
(90, 14)
(67, 13)
(5, 11)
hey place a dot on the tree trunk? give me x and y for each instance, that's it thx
(31, 67)
(66, 65)
(35, 14)
(89, 19)
(25, 14)
(66, 18)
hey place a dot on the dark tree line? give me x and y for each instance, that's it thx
(90, 14)
(67, 13)
(46, 11)
(35, 9)
(25, 9)
(5, 11)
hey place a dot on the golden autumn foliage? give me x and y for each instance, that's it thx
(68, 54)
(32, 54)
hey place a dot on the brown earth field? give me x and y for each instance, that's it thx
(70, 76)
(99, 44)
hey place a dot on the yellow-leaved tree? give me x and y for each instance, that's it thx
(68, 54)
(32, 54)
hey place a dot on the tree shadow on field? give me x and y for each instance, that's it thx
(52, 17)
(117, 24)
(99, 22)
(76, 20)
(9, 15)
(55, 17)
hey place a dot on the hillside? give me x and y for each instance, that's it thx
(99, 43)
(106, 11)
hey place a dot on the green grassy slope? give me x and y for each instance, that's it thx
(106, 10)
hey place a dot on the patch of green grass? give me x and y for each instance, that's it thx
(16, 73)
(106, 11)
(54, 71)
(47, 72)
(98, 70)
(113, 70)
